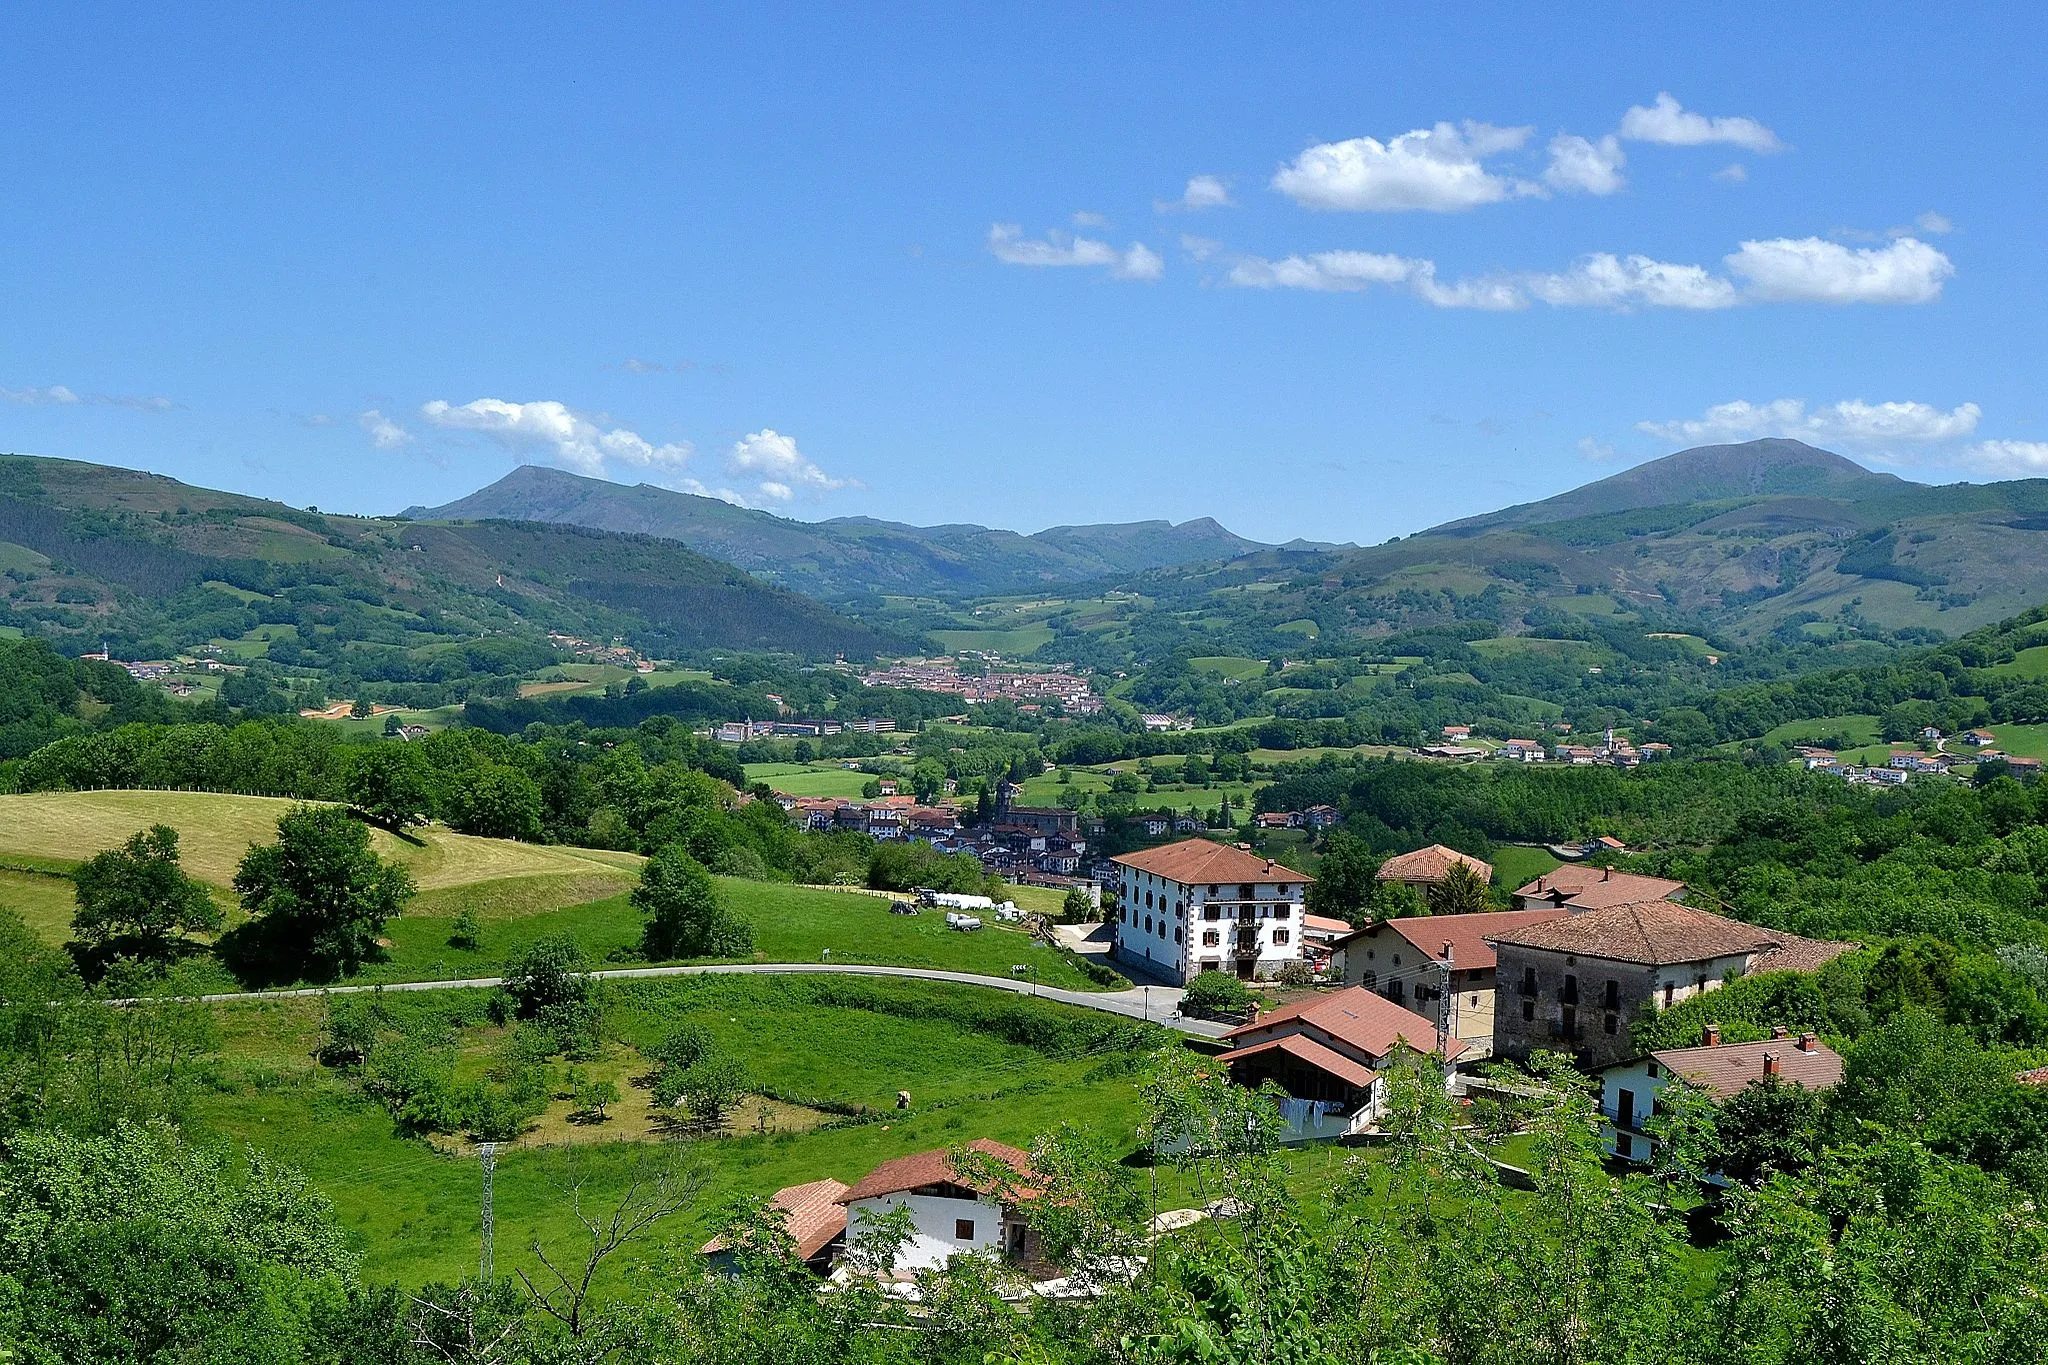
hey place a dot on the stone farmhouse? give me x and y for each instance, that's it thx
(1441, 967)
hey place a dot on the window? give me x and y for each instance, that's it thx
(1279, 936)
(1571, 1021)
(1570, 994)
(1176, 939)
(1180, 910)
(1667, 995)
(1607, 1024)
(963, 1229)
(1613, 1000)
(1214, 889)
(1369, 979)
(1210, 938)
(1528, 1008)
(1528, 981)
(1280, 911)
(1211, 912)
(1245, 893)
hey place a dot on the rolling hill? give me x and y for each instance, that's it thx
(90, 552)
(847, 556)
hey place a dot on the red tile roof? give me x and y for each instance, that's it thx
(1726, 1069)
(1467, 934)
(1326, 924)
(1431, 864)
(1656, 933)
(1356, 1016)
(931, 1168)
(1599, 886)
(811, 1214)
(1193, 861)
(2037, 1076)
(1792, 953)
(1309, 1051)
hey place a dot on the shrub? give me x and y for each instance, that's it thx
(1214, 993)
(548, 974)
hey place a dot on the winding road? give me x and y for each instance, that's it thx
(1157, 1004)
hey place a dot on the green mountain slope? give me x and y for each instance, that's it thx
(847, 556)
(89, 551)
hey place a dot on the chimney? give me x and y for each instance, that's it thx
(1780, 1031)
(1770, 1064)
(1712, 1036)
(1808, 1042)
(1447, 950)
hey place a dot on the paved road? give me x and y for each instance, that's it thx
(1156, 1003)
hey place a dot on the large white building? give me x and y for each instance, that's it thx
(1198, 906)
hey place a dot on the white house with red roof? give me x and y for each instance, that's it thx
(1629, 1090)
(951, 1213)
(1196, 906)
(812, 1216)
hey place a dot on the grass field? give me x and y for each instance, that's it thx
(1010, 644)
(1229, 665)
(2024, 741)
(820, 779)
(412, 1207)
(1515, 866)
(1860, 729)
(2031, 664)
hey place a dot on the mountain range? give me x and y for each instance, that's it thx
(850, 557)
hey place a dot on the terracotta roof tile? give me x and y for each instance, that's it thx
(2037, 1076)
(1193, 861)
(1431, 864)
(1795, 954)
(1356, 1016)
(1595, 888)
(1656, 933)
(930, 1168)
(1726, 1069)
(812, 1215)
(1310, 1051)
(1467, 934)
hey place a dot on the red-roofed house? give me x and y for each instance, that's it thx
(1628, 1094)
(1327, 1052)
(1405, 961)
(951, 1214)
(1581, 980)
(1198, 906)
(1581, 886)
(812, 1216)
(1425, 867)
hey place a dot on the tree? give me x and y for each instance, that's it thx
(390, 785)
(871, 789)
(684, 918)
(593, 1098)
(711, 1087)
(1344, 879)
(1076, 907)
(136, 902)
(1461, 892)
(1767, 1127)
(928, 780)
(548, 974)
(496, 801)
(320, 894)
(1215, 992)
(360, 707)
(559, 1287)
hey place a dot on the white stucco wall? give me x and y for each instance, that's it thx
(1176, 909)
(932, 1218)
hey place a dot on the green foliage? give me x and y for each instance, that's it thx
(683, 915)
(1076, 907)
(551, 973)
(390, 785)
(318, 897)
(136, 902)
(1461, 892)
(1215, 993)
(1345, 879)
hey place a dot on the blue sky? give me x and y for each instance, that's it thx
(1314, 271)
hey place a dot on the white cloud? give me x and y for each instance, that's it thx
(1603, 280)
(1200, 248)
(1853, 422)
(779, 466)
(1581, 166)
(1931, 223)
(1437, 169)
(1667, 122)
(1813, 270)
(1595, 450)
(1007, 242)
(61, 396)
(1084, 219)
(1734, 173)
(1355, 271)
(554, 432)
(1202, 192)
(385, 434)
(2020, 459)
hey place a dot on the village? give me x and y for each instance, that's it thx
(1586, 953)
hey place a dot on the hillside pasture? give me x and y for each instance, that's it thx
(822, 780)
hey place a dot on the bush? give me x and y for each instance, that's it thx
(684, 917)
(1216, 993)
(1297, 973)
(466, 933)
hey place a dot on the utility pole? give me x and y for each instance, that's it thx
(489, 1152)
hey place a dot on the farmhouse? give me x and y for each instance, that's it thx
(1327, 1053)
(951, 1213)
(813, 1216)
(1628, 1091)
(1199, 906)
(1410, 961)
(1581, 887)
(1580, 981)
(1426, 867)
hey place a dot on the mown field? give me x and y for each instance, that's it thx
(517, 892)
(811, 779)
